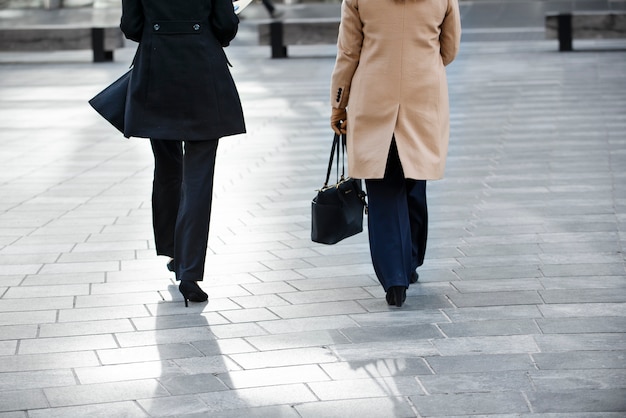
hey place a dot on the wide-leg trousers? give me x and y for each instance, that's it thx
(182, 194)
(397, 223)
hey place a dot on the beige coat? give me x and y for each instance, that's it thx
(390, 74)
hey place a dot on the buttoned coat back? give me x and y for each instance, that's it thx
(181, 87)
(390, 74)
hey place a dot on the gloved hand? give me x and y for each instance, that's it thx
(338, 120)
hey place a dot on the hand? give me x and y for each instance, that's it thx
(339, 120)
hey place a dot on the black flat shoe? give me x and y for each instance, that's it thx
(171, 266)
(414, 277)
(191, 291)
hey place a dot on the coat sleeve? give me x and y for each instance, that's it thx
(450, 37)
(224, 21)
(349, 44)
(132, 19)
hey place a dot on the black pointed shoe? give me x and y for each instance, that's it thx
(414, 277)
(191, 291)
(171, 266)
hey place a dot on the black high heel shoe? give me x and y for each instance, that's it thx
(414, 277)
(396, 295)
(171, 266)
(191, 291)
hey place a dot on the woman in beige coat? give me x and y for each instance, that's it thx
(390, 76)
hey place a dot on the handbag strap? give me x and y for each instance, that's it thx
(343, 157)
(338, 147)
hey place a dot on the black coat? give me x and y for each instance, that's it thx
(181, 87)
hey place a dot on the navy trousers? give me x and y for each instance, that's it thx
(397, 222)
(182, 194)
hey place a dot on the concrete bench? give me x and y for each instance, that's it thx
(565, 27)
(62, 29)
(306, 31)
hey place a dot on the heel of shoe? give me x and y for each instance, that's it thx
(390, 297)
(396, 295)
(399, 295)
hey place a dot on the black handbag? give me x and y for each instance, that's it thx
(337, 210)
(110, 103)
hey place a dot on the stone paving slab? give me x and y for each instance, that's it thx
(521, 306)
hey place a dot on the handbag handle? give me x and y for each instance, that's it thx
(339, 147)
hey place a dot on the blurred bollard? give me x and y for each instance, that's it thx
(565, 32)
(52, 4)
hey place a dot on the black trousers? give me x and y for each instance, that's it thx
(397, 222)
(182, 194)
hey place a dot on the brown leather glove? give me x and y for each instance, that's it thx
(338, 120)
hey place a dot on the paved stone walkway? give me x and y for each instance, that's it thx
(521, 306)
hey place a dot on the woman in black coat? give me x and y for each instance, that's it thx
(182, 96)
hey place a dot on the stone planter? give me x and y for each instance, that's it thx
(78, 3)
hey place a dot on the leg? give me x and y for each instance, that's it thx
(389, 228)
(194, 214)
(418, 218)
(168, 174)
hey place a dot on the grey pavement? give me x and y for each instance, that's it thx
(521, 306)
